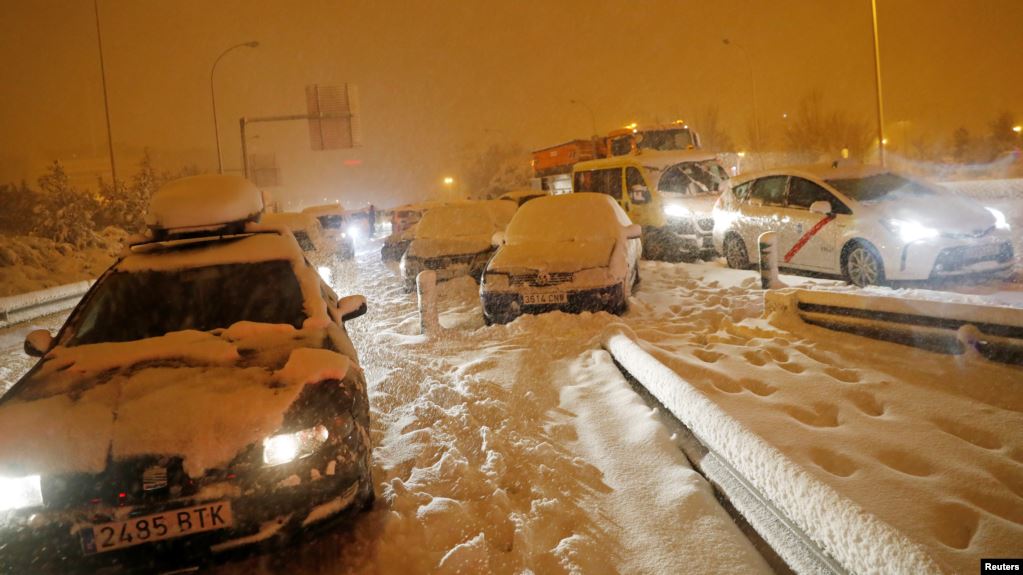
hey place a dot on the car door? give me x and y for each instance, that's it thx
(761, 211)
(809, 240)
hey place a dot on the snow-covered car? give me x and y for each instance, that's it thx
(670, 194)
(318, 246)
(403, 223)
(865, 223)
(336, 228)
(455, 240)
(522, 196)
(573, 252)
(203, 395)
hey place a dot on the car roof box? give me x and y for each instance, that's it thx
(203, 205)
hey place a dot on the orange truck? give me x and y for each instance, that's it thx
(552, 167)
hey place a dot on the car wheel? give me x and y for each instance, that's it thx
(735, 253)
(863, 267)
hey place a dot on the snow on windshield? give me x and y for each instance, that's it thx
(129, 306)
(692, 178)
(880, 187)
(572, 217)
(461, 220)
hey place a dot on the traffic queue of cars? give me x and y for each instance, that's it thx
(203, 395)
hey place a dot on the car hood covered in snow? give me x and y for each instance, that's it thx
(946, 213)
(202, 396)
(567, 256)
(426, 248)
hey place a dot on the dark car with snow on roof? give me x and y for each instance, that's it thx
(203, 395)
(574, 253)
(455, 240)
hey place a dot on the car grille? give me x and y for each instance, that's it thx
(952, 259)
(539, 279)
(447, 261)
(973, 234)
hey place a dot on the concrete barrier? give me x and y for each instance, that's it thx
(946, 327)
(23, 307)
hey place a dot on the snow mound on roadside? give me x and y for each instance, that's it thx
(29, 263)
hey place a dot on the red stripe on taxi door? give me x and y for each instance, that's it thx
(806, 237)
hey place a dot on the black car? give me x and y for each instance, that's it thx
(203, 395)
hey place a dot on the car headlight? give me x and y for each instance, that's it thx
(19, 492)
(287, 447)
(1000, 221)
(676, 211)
(353, 231)
(908, 230)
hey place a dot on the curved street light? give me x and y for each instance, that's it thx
(753, 85)
(213, 97)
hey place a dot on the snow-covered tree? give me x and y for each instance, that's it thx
(818, 132)
(498, 168)
(63, 213)
(712, 134)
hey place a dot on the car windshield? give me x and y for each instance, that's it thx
(331, 222)
(692, 178)
(879, 187)
(665, 140)
(129, 306)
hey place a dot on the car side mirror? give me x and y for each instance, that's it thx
(38, 343)
(822, 207)
(497, 240)
(633, 232)
(351, 307)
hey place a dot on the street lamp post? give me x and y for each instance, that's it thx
(593, 118)
(106, 101)
(213, 98)
(881, 141)
(753, 86)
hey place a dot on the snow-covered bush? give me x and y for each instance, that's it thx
(62, 212)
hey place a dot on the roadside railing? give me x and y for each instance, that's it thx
(27, 306)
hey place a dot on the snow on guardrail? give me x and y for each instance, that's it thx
(23, 307)
(859, 541)
(946, 327)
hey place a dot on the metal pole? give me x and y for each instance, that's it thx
(213, 99)
(753, 86)
(880, 101)
(106, 101)
(245, 152)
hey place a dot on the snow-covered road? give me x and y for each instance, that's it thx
(521, 447)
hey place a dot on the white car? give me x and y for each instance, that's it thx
(336, 228)
(865, 223)
(573, 252)
(319, 247)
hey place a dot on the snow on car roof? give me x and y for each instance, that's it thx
(819, 171)
(657, 160)
(200, 202)
(469, 218)
(516, 194)
(325, 210)
(291, 220)
(567, 217)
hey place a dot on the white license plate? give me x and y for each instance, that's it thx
(544, 298)
(155, 527)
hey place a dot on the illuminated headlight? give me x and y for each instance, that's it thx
(1000, 221)
(353, 231)
(19, 492)
(908, 230)
(288, 447)
(676, 211)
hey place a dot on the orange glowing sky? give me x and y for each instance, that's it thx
(437, 76)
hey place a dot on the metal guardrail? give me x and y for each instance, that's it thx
(24, 307)
(946, 327)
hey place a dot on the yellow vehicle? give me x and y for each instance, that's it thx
(670, 194)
